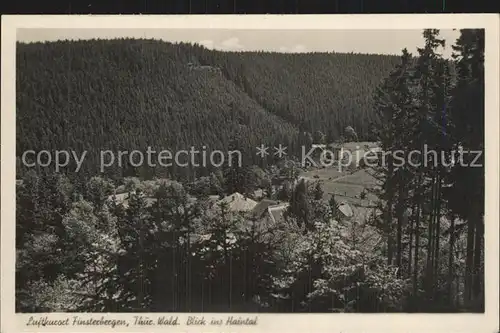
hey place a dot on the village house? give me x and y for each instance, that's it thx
(237, 202)
(270, 212)
(277, 212)
(345, 209)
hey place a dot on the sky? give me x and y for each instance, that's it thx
(295, 41)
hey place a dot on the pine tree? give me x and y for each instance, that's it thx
(466, 196)
(334, 208)
(394, 106)
(318, 191)
(299, 205)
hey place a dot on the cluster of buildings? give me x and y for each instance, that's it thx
(236, 203)
(265, 210)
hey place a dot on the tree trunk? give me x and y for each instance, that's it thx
(469, 261)
(401, 210)
(140, 296)
(417, 249)
(390, 199)
(437, 217)
(478, 244)
(430, 240)
(451, 261)
(411, 231)
(188, 268)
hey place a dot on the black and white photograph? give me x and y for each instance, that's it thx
(250, 171)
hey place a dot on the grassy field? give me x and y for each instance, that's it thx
(323, 174)
(363, 177)
(347, 185)
(344, 185)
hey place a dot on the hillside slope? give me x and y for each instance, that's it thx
(316, 91)
(130, 94)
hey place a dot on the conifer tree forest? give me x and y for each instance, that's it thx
(172, 248)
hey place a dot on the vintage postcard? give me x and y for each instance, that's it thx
(259, 173)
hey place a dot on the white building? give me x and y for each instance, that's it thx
(238, 202)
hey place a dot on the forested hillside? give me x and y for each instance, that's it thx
(130, 94)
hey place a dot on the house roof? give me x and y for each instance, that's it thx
(262, 206)
(276, 212)
(120, 197)
(362, 212)
(239, 203)
(123, 198)
(258, 193)
(346, 209)
(213, 198)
